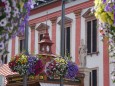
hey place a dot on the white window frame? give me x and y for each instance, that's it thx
(91, 76)
(91, 19)
(66, 26)
(20, 38)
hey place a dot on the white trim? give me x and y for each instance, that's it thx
(16, 45)
(29, 40)
(36, 42)
(56, 9)
(97, 69)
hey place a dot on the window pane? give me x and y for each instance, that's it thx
(89, 37)
(2, 58)
(90, 79)
(68, 40)
(41, 37)
(5, 60)
(21, 45)
(94, 77)
(94, 38)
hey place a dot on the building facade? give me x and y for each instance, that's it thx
(80, 28)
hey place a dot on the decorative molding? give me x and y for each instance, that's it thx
(88, 14)
(67, 21)
(32, 26)
(58, 13)
(78, 13)
(42, 27)
(21, 36)
(53, 20)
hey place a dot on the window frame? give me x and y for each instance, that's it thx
(90, 77)
(67, 23)
(66, 27)
(20, 38)
(91, 18)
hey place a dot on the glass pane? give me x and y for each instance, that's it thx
(90, 79)
(94, 36)
(21, 45)
(89, 37)
(6, 59)
(68, 40)
(41, 37)
(94, 77)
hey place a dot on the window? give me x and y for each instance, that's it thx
(91, 36)
(68, 22)
(93, 78)
(91, 32)
(21, 45)
(41, 37)
(4, 59)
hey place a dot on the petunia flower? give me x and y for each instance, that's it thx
(8, 15)
(1, 45)
(7, 3)
(7, 9)
(13, 3)
(3, 22)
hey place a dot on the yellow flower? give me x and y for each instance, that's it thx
(62, 60)
(103, 17)
(21, 4)
(23, 59)
(111, 15)
(97, 2)
(97, 15)
(99, 10)
(109, 21)
(57, 59)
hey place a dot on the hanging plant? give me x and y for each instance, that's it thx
(26, 65)
(104, 11)
(61, 67)
(14, 16)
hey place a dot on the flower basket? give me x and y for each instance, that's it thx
(26, 65)
(59, 67)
